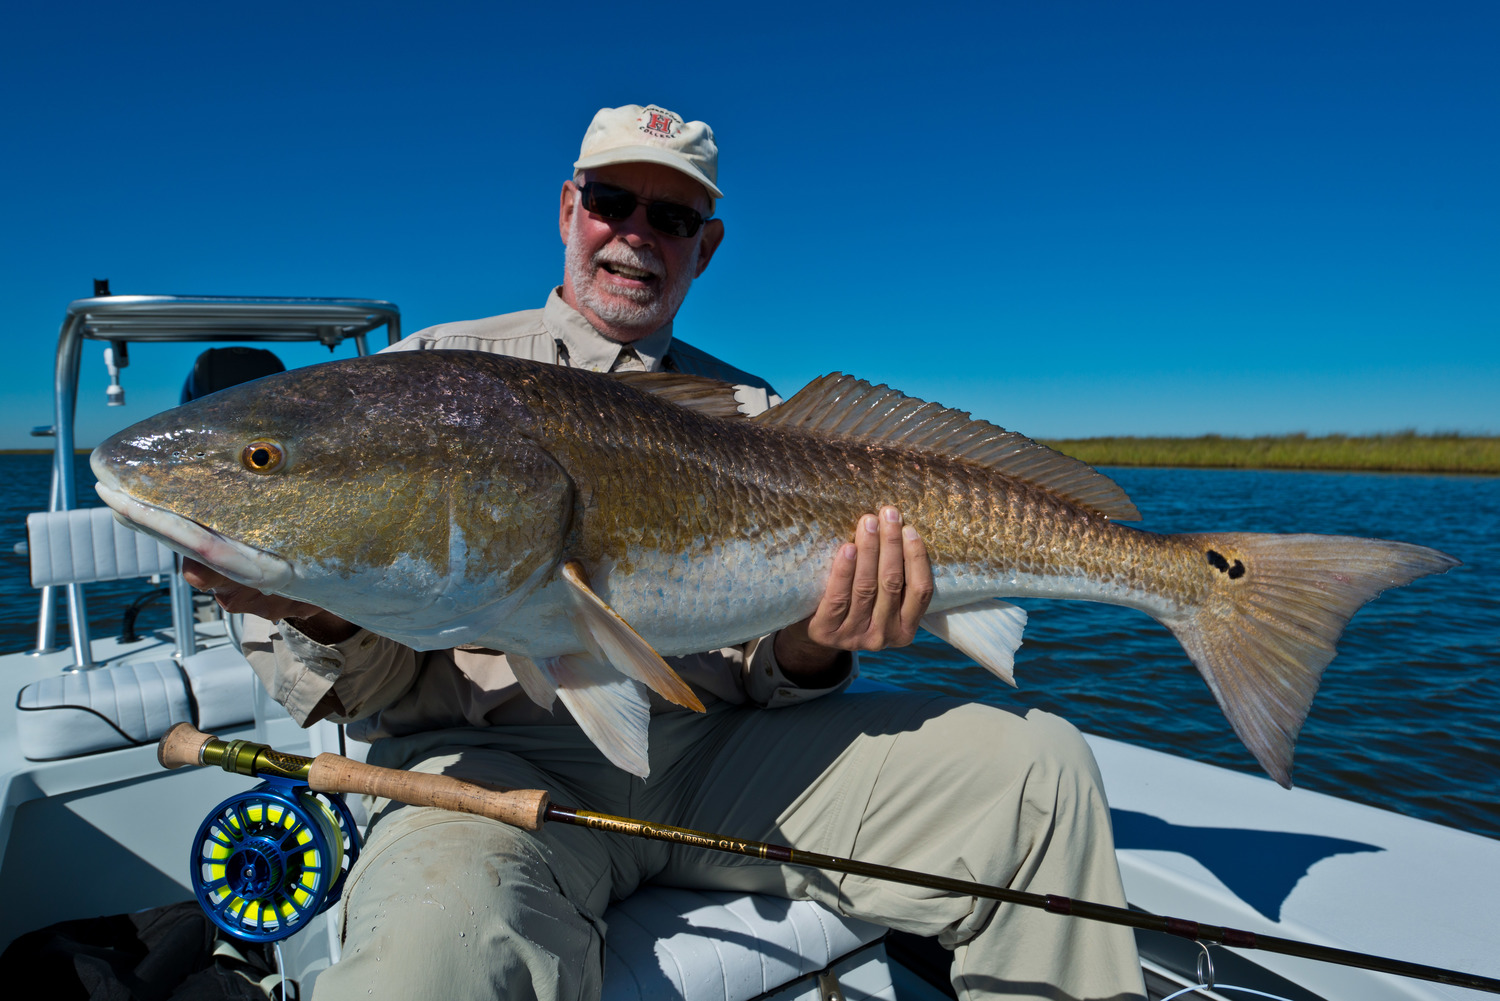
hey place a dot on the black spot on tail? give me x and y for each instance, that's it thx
(1219, 563)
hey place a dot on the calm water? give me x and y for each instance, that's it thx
(1406, 717)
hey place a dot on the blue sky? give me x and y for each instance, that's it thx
(1071, 217)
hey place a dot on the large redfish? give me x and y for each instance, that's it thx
(588, 524)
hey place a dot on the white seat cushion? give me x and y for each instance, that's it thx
(128, 705)
(80, 546)
(664, 942)
(223, 687)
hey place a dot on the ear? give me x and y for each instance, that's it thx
(565, 210)
(713, 233)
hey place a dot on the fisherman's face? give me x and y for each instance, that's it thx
(626, 278)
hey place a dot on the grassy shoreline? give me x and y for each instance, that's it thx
(1403, 452)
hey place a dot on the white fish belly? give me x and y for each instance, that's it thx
(723, 595)
(736, 591)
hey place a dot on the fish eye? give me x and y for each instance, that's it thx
(263, 456)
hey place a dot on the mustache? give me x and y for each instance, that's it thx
(620, 253)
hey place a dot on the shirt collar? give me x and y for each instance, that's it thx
(589, 349)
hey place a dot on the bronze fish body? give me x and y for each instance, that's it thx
(588, 524)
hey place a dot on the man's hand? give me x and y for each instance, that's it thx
(879, 590)
(312, 621)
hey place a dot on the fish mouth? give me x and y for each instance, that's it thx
(249, 566)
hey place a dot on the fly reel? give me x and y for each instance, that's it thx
(267, 861)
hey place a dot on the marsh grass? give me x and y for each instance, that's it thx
(1401, 452)
(1404, 451)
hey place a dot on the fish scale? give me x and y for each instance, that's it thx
(586, 524)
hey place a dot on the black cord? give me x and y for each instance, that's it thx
(133, 611)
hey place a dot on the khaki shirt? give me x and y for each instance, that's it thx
(390, 690)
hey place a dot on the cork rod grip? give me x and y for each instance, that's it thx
(182, 745)
(523, 808)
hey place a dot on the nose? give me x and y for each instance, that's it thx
(634, 229)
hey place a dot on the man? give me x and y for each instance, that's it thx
(449, 906)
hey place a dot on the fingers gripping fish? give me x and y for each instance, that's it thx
(589, 525)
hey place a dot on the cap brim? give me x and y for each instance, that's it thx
(649, 154)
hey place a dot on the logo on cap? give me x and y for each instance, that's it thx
(658, 123)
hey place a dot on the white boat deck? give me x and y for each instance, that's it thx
(1227, 848)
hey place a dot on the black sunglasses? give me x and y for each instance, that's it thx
(615, 204)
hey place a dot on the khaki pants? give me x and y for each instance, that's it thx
(442, 905)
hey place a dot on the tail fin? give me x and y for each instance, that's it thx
(1276, 607)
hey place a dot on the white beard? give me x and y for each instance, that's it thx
(647, 309)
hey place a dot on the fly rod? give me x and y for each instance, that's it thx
(529, 809)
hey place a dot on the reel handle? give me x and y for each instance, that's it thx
(184, 744)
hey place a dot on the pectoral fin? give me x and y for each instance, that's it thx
(602, 628)
(988, 630)
(612, 709)
(534, 682)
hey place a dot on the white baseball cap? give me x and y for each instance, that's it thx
(636, 134)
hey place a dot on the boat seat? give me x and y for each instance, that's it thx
(87, 545)
(131, 704)
(668, 942)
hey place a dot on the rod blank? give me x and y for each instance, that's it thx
(1088, 910)
(530, 808)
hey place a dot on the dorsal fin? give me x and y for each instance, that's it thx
(842, 405)
(709, 397)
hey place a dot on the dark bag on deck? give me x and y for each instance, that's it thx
(171, 953)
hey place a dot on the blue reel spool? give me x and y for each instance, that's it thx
(267, 861)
